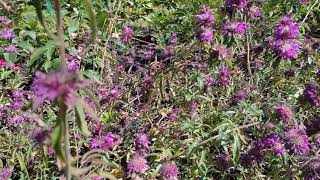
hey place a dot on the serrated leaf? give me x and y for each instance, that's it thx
(80, 119)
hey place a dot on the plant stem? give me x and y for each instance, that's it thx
(310, 9)
(67, 147)
(60, 32)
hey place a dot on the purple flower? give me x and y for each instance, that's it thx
(142, 140)
(273, 143)
(254, 155)
(287, 49)
(241, 95)
(169, 171)
(10, 49)
(7, 34)
(126, 35)
(16, 120)
(39, 135)
(313, 127)
(17, 105)
(205, 34)
(205, 18)
(284, 113)
(223, 161)
(137, 165)
(168, 52)
(286, 28)
(5, 173)
(232, 28)
(173, 39)
(254, 11)
(106, 142)
(312, 94)
(51, 86)
(220, 53)
(236, 3)
(297, 140)
(224, 76)
(303, 1)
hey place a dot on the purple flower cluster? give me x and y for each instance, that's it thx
(204, 20)
(297, 140)
(285, 45)
(220, 52)
(224, 76)
(311, 170)
(52, 86)
(254, 11)
(5, 173)
(205, 34)
(274, 144)
(105, 142)
(312, 94)
(137, 164)
(19, 97)
(232, 28)
(241, 95)
(169, 171)
(126, 35)
(284, 113)
(236, 3)
(73, 62)
(7, 34)
(10, 49)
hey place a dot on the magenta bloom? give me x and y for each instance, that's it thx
(274, 144)
(286, 28)
(10, 49)
(254, 11)
(169, 171)
(205, 34)
(303, 1)
(7, 34)
(220, 53)
(173, 39)
(106, 142)
(312, 94)
(241, 95)
(142, 140)
(297, 140)
(287, 49)
(137, 165)
(73, 62)
(126, 35)
(51, 86)
(205, 18)
(236, 3)
(224, 76)
(5, 173)
(284, 113)
(233, 28)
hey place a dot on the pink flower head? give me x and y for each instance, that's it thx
(286, 49)
(232, 28)
(137, 165)
(205, 18)
(205, 34)
(286, 28)
(284, 113)
(169, 171)
(126, 35)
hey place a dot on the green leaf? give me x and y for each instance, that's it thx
(80, 119)
(56, 137)
(73, 26)
(21, 161)
(236, 148)
(31, 34)
(10, 57)
(25, 45)
(36, 55)
(92, 17)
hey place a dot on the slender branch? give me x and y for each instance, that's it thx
(67, 144)
(227, 132)
(310, 9)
